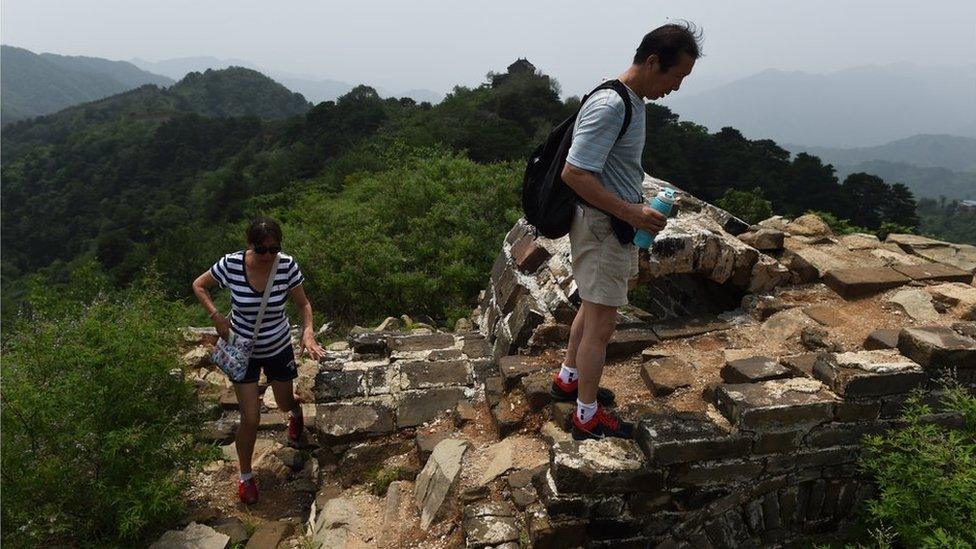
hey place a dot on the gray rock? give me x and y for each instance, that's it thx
(335, 523)
(753, 369)
(938, 347)
(489, 524)
(764, 239)
(194, 536)
(346, 419)
(233, 528)
(916, 303)
(438, 479)
(868, 373)
(418, 407)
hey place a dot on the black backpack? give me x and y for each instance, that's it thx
(547, 201)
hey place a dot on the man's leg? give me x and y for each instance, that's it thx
(575, 336)
(597, 329)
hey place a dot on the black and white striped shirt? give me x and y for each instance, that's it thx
(246, 300)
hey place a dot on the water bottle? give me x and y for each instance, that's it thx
(663, 203)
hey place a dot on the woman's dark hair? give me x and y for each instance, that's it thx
(261, 228)
(668, 42)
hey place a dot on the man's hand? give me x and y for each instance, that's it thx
(642, 216)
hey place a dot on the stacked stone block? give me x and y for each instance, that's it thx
(531, 298)
(391, 380)
(779, 465)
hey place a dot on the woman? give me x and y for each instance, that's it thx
(246, 273)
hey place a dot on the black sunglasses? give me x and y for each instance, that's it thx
(267, 249)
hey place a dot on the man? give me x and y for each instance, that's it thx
(607, 174)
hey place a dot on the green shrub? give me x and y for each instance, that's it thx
(418, 237)
(96, 431)
(750, 206)
(926, 477)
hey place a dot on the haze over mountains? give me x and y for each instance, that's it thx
(856, 107)
(315, 89)
(40, 84)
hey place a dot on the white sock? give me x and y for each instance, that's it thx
(247, 476)
(568, 374)
(585, 412)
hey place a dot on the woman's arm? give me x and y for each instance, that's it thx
(201, 289)
(308, 331)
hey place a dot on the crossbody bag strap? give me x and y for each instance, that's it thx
(264, 298)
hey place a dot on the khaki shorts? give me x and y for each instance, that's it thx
(601, 264)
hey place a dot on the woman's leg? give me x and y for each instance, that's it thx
(247, 432)
(285, 396)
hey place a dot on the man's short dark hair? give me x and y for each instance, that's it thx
(668, 42)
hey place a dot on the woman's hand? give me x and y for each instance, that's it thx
(314, 349)
(223, 326)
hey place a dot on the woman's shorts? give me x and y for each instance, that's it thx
(280, 367)
(602, 266)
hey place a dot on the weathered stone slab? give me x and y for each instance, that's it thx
(476, 347)
(673, 438)
(370, 343)
(630, 342)
(961, 256)
(438, 479)
(864, 281)
(754, 369)
(801, 364)
(524, 320)
(765, 239)
(269, 534)
(934, 272)
(937, 347)
(422, 374)
(708, 474)
(811, 263)
(197, 536)
(961, 297)
(665, 376)
(859, 241)
(536, 388)
(826, 315)
(421, 342)
(489, 524)
(779, 404)
(808, 225)
(688, 327)
(346, 419)
(508, 290)
(916, 303)
(417, 407)
(868, 373)
(606, 466)
(882, 339)
(355, 379)
(786, 324)
(515, 367)
(528, 254)
(509, 413)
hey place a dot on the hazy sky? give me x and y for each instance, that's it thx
(438, 43)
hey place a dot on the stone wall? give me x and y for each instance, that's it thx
(532, 298)
(382, 381)
(779, 464)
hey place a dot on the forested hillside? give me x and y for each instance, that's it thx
(40, 84)
(390, 205)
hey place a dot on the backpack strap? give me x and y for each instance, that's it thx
(621, 89)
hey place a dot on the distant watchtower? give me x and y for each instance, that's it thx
(521, 66)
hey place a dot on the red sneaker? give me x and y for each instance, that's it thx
(603, 424)
(563, 391)
(296, 423)
(247, 491)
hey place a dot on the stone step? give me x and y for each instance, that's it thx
(865, 281)
(868, 373)
(607, 466)
(779, 404)
(939, 347)
(754, 369)
(934, 272)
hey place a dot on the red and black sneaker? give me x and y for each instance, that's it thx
(247, 491)
(560, 390)
(296, 424)
(603, 424)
